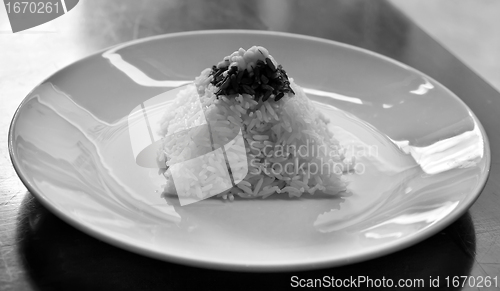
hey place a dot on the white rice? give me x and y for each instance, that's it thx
(288, 123)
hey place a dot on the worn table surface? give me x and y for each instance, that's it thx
(38, 251)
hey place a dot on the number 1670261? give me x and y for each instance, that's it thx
(32, 7)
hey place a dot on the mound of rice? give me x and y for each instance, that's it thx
(284, 144)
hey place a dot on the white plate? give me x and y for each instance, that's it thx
(69, 144)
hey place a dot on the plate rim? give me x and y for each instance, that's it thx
(392, 247)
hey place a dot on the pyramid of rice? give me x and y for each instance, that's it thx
(245, 129)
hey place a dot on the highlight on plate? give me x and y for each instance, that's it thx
(245, 129)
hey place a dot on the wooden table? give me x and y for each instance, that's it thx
(38, 251)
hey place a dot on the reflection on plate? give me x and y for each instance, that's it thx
(425, 156)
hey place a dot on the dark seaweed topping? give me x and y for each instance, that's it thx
(270, 64)
(267, 95)
(266, 81)
(279, 96)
